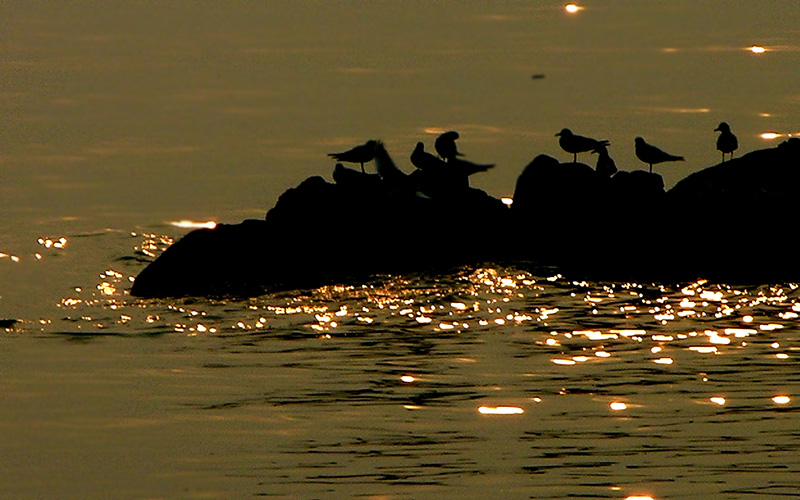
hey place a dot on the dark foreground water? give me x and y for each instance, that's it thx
(489, 381)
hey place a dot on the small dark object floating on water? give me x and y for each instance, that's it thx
(7, 323)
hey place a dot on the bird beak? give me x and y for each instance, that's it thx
(716, 129)
(558, 134)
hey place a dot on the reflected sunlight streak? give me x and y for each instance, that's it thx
(500, 410)
(573, 8)
(189, 224)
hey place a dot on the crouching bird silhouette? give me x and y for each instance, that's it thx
(445, 145)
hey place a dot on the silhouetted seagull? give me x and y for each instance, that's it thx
(426, 161)
(652, 155)
(575, 144)
(605, 164)
(396, 179)
(359, 154)
(445, 145)
(726, 142)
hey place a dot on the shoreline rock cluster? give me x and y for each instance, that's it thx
(734, 221)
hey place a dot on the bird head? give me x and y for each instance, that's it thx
(639, 141)
(564, 132)
(451, 134)
(723, 127)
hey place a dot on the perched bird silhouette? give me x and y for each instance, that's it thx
(436, 177)
(445, 145)
(726, 142)
(605, 164)
(575, 144)
(426, 161)
(359, 154)
(652, 155)
(397, 180)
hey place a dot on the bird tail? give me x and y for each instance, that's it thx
(385, 165)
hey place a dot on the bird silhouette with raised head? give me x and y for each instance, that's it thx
(651, 154)
(605, 164)
(726, 142)
(359, 154)
(572, 143)
(445, 145)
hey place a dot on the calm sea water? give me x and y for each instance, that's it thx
(120, 119)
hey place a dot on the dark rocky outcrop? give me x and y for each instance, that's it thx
(734, 221)
(320, 233)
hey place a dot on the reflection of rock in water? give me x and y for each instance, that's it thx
(589, 224)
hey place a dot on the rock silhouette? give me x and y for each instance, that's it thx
(732, 222)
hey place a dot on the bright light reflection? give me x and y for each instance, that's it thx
(718, 400)
(617, 406)
(500, 410)
(769, 135)
(663, 361)
(703, 350)
(407, 379)
(563, 361)
(572, 8)
(190, 224)
(507, 201)
(781, 400)
(757, 49)
(639, 497)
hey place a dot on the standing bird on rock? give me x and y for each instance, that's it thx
(445, 145)
(426, 161)
(575, 144)
(359, 154)
(726, 142)
(652, 155)
(605, 164)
